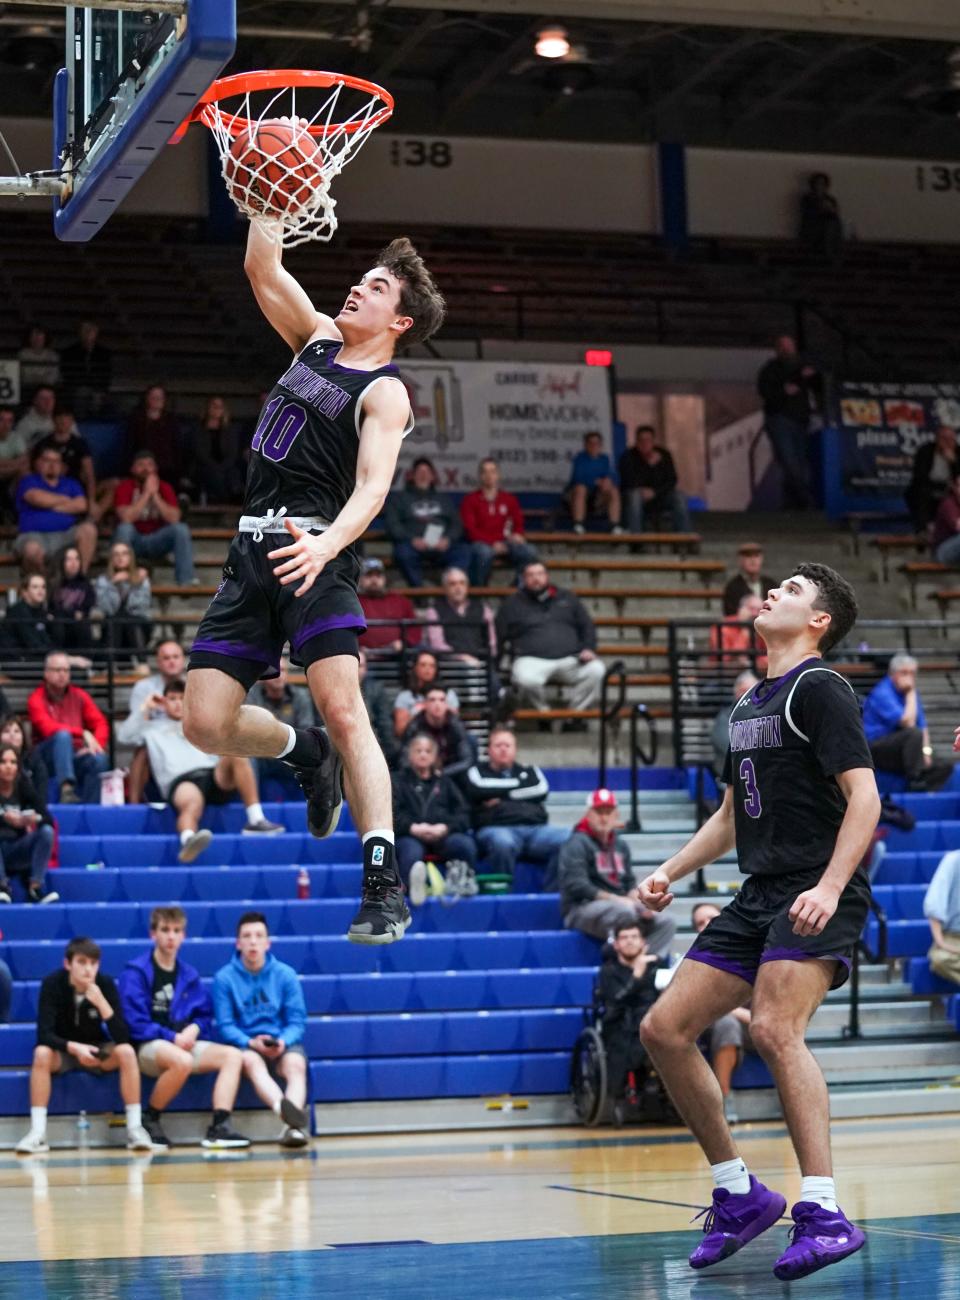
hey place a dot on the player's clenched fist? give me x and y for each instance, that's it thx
(654, 892)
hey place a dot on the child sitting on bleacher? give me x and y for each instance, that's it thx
(80, 1026)
(170, 1015)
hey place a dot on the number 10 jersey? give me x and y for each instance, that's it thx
(304, 448)
(789, 738)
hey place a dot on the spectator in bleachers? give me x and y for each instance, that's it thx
(379, 711)
(424, 525)
(30, 629)
(14, 460)
(13, 732)
(821, 230)
(69, 731)
(26, 832)
(146, 706)
(87, 370)
(150, 519)
(648, 481)
(191, 781)
(37, 421)
(727, 1038)
(50, 508)
(493, 524)
(790, 388)
(72, 600)
(733, 638)
(424, 673)
(170, 1017)
(720, 731)
(509, 810)
(946, 527)
(259, 1007)
(896, 728)
(430, 818)
(598, 887)
(438, 721)
(74, 450)
(941, 907)
(379, 604)
(124, 597)
(626, 987)
(39, 362)
(153, 428)
(749, 580)
(217, 471)
(80, 1026)
(459, 624)
(290, 704)
(552, 639)
(593, 489)
(935, 466)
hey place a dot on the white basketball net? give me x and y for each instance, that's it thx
(308, 207)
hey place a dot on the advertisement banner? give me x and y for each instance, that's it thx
(881, 426)
(530, 416)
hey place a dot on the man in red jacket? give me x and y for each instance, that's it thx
(70, 732)
(493, 522)
(378, 604)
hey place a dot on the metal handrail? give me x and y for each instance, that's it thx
(852, 1028)
(637, 713)
(617, 670)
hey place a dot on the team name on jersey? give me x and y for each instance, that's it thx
(323, 395)
(756, 733)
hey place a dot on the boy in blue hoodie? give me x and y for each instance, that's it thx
(259, 1008)
(170, 1017)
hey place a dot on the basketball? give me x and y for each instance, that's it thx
(274, 168)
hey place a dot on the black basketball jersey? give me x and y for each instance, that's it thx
(304, 448)
(788, 739)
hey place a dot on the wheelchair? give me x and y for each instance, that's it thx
(596, 1099)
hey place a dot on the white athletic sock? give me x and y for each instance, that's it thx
(822, 1191)
(291, 741)
(185, 835)
(134, 1116)
(255, 814)
(276, 1106)
(731, 1174)
(380, 835)
(38, 1119)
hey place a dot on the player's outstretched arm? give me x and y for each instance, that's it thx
(281, 298)
(714, 838)
(386, 409)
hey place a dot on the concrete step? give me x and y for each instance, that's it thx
(854, 1101)
(885, 1017)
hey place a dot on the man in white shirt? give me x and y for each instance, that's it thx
(190, 780)
(146, 706)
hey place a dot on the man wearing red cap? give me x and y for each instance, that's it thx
(597, 884)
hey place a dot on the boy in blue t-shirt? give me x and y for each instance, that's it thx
(593, 486)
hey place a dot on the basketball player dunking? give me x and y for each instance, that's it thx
(800, 806)
(323, 458)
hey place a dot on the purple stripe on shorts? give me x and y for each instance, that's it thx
(796, 954)
(331, 624)
(236, 650)
(722, 963)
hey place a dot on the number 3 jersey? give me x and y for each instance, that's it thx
(304, 449)
(788, 740)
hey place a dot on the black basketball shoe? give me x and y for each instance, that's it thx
(322, 783)
(383, 914)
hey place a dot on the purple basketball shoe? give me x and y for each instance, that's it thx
(733, 1221)
(818, 1239)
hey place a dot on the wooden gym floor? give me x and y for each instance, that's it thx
(564, 1214)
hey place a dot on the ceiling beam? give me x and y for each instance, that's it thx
(703, 71)
(934, 20)
(414, 38)
(788, 85)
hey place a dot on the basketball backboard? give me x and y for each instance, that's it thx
(133, 73)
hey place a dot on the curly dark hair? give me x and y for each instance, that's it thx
(419, 296)
(836, 597)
